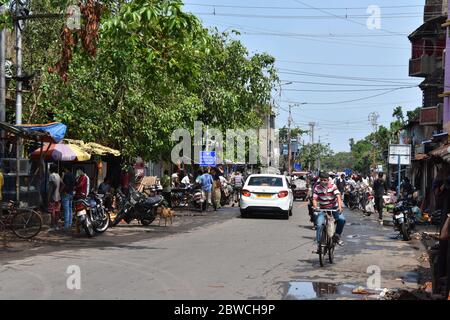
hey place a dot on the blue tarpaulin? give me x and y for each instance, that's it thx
(55, 130)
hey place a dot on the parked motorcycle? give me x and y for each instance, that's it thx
(404, 219)
(196, 199)
(92, 214)
(179, 196)
(226, 195)
(138, 206)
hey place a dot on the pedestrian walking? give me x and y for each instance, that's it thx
(380, 188)
(166, 183)
(67, 197)
(237, 183)
(54, 197)
(207, 183)
(217, 189)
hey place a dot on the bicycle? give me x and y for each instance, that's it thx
(327, 236)
(25, 223)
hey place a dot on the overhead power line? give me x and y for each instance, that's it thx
(343, 64)
(297, 8)
(304, 17)
(349, 90)
(341, 84)
(332, 14)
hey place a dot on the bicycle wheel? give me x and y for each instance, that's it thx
(26, 223)
(323, 245)
(331, 247)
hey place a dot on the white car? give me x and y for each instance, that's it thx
(266, 193)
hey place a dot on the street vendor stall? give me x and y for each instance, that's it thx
(77, 153)
(21, 184)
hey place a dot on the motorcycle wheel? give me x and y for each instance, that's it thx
(404, 232)
(104, 225)
(117, 219)
(88, 228)
(175, 202)
(147, 221)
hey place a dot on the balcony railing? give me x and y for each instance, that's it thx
(423, 66)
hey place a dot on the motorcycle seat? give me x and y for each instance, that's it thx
(150, 201)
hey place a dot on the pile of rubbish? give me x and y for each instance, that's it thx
(422, 293)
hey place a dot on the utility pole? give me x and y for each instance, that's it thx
(318, 158)
(2, 78)
(18, 25)
(289, 136)
(373, 119)
(289, 139)
(2, 70)
(311, 133)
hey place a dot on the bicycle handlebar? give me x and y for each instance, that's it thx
(326, 210)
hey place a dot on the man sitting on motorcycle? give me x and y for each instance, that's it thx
(327, 196)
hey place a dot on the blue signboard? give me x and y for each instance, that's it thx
(285, 149)
(348, 172)
(207, 158)
(297, 166)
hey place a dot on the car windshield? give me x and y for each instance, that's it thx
(266, 181)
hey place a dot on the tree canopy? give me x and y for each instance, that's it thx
(154, 69)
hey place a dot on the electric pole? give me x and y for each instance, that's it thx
(289, 140)
(289, 137)
(373, 119)
(318, 158)
(18, 25)
(2, 78)
(311, 134)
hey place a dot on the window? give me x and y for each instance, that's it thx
(265, 182)
(429, 47)
(417, 48)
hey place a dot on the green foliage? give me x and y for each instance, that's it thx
(312, 152)
(376, 144)
(338, 162)
(156, 69)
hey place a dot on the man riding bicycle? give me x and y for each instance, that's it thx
(327, 196)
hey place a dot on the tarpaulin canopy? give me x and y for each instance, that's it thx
(55, 130)
(61, 152)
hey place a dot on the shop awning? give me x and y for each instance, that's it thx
(52, 132)
(420, 157)
(441, 152)
(93, 148)
(60, 152)
(55, 130)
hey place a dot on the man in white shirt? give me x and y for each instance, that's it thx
(186, 181)
(54, 197)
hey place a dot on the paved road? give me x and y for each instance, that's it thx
(217, 257)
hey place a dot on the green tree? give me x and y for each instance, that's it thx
(156, 69)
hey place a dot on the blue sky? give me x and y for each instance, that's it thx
(330, 56)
